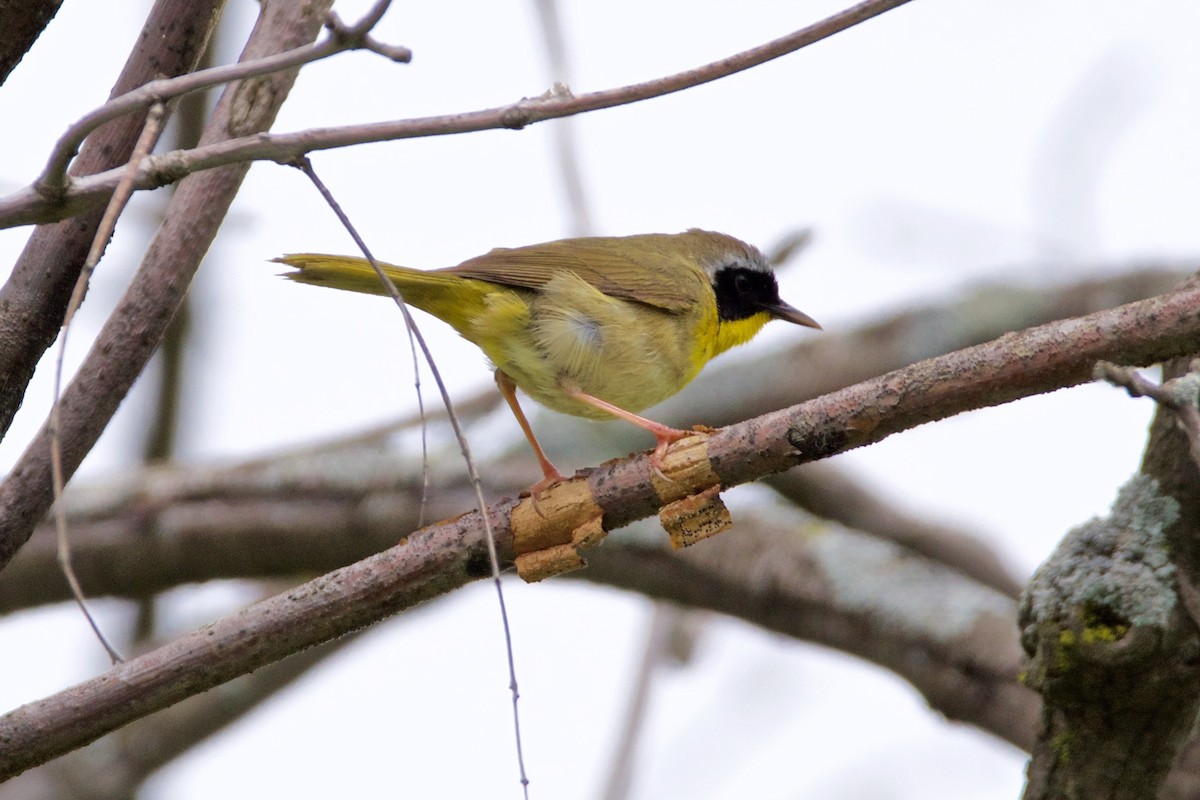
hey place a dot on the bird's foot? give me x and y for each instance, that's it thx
(552, 476)
(665, 437)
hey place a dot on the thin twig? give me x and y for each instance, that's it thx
(414, 333)
(342, 37)
(28, 205)
(1181, 395)
(108, 223)
(160, 441)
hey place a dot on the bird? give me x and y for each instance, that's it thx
(597, 327)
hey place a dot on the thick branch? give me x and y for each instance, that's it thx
(341, 38)
(1167, 462)
(169, 526)
(1111, 626)
(833, 361)
(426, 566)
(28, 206)
(1112, 653)
(445, 556)
(34, 299)
(21, 23)
(137, 324)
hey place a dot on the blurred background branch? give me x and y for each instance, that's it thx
(882, 571)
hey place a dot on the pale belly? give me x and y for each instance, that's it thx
(628, 354)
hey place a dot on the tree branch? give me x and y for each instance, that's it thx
(21, 23)
(831, 494)
(166, 526)
(447, 555)
(1111, 626)
(953, 639)
(136, 326)
(28, 206)
(1181, 395)
(224, 521)
(52, 182)
(35, 297)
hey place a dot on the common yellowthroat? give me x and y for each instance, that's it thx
(597, 327)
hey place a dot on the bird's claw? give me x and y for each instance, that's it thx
(541, 486)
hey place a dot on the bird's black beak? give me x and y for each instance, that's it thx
(781, 310)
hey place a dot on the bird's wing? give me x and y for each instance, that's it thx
(630, 273)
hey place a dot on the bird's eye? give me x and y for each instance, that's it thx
(741, 283)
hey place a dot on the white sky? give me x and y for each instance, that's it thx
(941, 145)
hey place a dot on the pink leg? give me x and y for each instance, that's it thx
(508, 390)
(664, 436)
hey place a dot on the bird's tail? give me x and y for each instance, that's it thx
(452, 298)
(356, 275)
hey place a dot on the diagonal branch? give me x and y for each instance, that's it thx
(140, 319)
(52, 182)
(447, 555)
(953, 639)
(28, 206)
(322, 507)
(36, 293)
(21, 23)
(1181, 395)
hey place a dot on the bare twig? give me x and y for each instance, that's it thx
(36, 293)
(1181, 395)
(447, 555)
(27, 205)
(789, 246)
(414, 334)
(133, 330)
(107, 224)
(342, 37)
